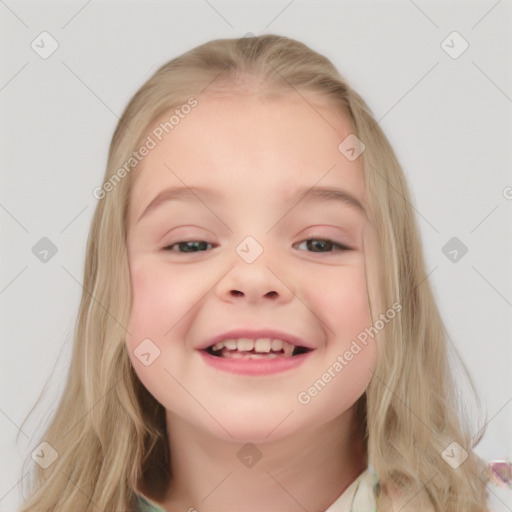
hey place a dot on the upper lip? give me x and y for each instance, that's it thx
(256, 334)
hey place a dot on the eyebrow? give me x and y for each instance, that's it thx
(312, 195)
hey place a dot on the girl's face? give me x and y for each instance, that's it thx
(244, 262)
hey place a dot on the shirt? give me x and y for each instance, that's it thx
(359, 496)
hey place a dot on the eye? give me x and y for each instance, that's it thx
(319, 244)
(188, 246)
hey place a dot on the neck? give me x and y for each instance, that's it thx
(308, 470)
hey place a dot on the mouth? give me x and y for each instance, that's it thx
(262, 348)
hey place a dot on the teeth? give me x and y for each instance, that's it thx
(244, 344)
(277, 345)
(261, 345)
(288, 349)
(230, 344)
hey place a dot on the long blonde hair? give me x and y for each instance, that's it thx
(109, 431)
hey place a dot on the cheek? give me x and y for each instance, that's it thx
(146, 299)
(350, 356)
(163, 304)
(154, 304)
(157, 297)
(155, 311)
(342, 301)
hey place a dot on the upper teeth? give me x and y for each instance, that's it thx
(259, 345)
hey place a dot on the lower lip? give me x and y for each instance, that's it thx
(254, 366)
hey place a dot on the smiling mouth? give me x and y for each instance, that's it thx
(245, 348)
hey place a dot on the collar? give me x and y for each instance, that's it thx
(359, 496)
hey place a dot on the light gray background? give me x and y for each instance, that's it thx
(448, 119)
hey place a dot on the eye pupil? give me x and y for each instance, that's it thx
(318, 243)
(186, 246)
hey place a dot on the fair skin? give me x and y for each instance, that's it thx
(255, 153)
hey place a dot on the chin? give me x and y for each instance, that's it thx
(249, 429)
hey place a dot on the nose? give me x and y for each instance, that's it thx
(256, 282)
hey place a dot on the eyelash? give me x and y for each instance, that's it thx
(340, 247)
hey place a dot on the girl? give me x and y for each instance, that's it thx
(256, 330)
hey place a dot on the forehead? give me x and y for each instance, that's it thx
(249, 145)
